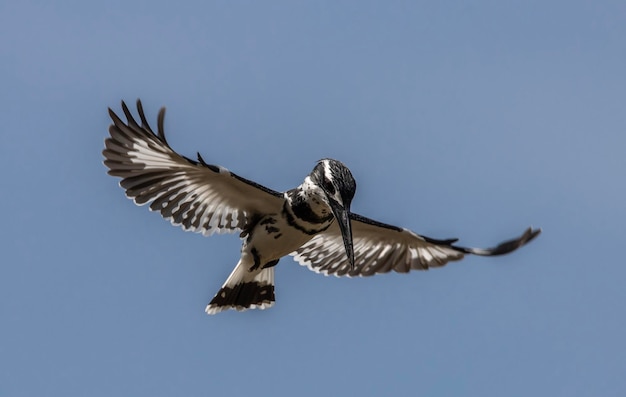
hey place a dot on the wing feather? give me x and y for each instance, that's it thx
(198, 196)
(381, 248)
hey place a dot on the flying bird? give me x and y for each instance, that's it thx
(312, 222)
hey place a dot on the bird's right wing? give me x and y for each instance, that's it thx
(380, 248)
(198, 196)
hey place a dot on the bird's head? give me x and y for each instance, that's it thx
(336, 182)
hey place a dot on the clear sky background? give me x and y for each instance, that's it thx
(458, 119)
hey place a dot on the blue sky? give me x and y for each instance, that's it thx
(457, 119)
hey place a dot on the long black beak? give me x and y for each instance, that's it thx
(342, 215)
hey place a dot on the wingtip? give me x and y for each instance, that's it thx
(124, 107)
(115, 118)
(201, 160)
(160, 122)
(507, 246)
(532, 233)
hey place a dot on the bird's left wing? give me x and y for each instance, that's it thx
(198, 196)
(380, 248)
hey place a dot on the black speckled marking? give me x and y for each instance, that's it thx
(268, 221)
(292, 222)
(278, 236)
(271, 264)
(302, 210)
(271, 229)
(257, 259)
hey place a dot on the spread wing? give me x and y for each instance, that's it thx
(380, 248)
(200, 197)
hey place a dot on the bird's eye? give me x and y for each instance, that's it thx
(329, 187)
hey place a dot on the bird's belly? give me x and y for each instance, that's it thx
(274, 237)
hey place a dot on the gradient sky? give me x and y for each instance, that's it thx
(458, 119)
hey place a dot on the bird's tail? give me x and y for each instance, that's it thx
(240, 294)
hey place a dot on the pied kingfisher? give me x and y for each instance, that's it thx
(312, 222)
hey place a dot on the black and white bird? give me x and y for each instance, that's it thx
(311, 222)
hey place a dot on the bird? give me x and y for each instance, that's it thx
(312, 222)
